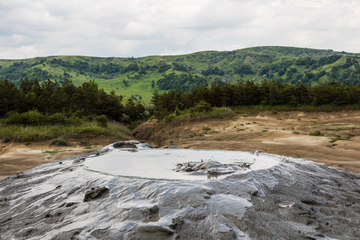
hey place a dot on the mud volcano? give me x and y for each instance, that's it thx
(141, 161)
(129, 190)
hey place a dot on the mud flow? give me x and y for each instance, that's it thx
(129, 190)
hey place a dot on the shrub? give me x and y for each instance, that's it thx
(202, 106)
(60, 141)
(102, 121)
(73, 120)
(150, 108)
(169, 118)
(264, 102)
(177, 112)
(57, 118)
(79, 113)
(125, 118)
(6, 139)
(191, 110)
(190, 114)
(146, 113)
(27, 118)
(316, 133)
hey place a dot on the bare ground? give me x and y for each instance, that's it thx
(283, 133)
(18, 157)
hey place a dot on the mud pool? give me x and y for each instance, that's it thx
(129, 190)
(166, 164)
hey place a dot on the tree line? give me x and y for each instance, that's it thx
(269, 92)
(50, 98)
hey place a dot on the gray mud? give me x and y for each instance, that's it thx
(296, 199)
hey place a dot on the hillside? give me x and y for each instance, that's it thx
(139, 77)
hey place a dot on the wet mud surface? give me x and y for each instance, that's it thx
(295, 199)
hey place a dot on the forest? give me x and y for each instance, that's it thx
(88, 100)
(268, 92)
(49, 98)
(185, 82)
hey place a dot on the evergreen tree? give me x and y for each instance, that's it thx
(9, 97)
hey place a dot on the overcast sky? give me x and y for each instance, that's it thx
(109, 28)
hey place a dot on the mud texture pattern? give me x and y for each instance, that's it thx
(296, 199)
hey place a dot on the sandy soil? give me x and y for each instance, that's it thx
(284, 133)
(18, 157)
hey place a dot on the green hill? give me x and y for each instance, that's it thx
(139, 77)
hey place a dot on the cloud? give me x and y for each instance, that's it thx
(152, 27)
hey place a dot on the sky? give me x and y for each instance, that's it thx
(133, 28)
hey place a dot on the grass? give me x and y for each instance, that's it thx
(52, 132)
(316, 133)
(241, 129)
(296, 132)
(51, 152)
(334, 137)
(194, 135)
(342, 128)
(185, 116)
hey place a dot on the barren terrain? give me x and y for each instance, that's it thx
(283, 133)
(18, 157)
